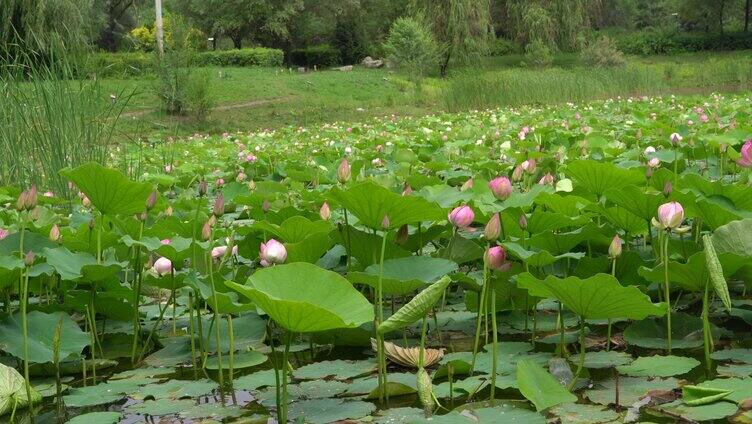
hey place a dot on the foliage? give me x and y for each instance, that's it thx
(411, 47)
(602, 53)
(537, 53)
(321, 56)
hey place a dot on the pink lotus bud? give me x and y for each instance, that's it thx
(649, 150)
(265, 206)
(325, 213)
(219, 205)
(343, 171)
(495, 257)
(547, 179)
(206, 230)
(29, 258)
(48, 194)
(151, 201)
(219, 183)
(528, 166)
(654, 163)
(517, 173)
(168, 168)
(676, 138)
(3, 233)
(493, 228)
(86, 202)
(501, 187)
(272, 252)
(402, 234)
(467, 185)
(521, 135)
(704, 118)
(220, 251)
(385, 224)
(250, 158)
(667, 188)
(523, 222)
(55, 233)
(614, 249)
(671, 214)
(162, 266)
(203, 187)
(240, 177)
(745, 160)
(461, 216)
(407, 190)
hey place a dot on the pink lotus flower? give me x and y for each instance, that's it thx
(649, 150)
(745, 161)
(654, 163)
(272, 252)
(250, 158)
(495, 258)
(220, 182)
(220, 251)
(325, 213)
(168, 168)
(162, 266)
(3, 233)
(676, 138)
(704, 118)
(461, 216)
(528, 166)
(614, 249)
(670, 215)
(165, 241)
(501, 187)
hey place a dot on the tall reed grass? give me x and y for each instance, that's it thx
(477, 89)
(50, 121)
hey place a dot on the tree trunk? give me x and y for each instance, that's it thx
(720, 14)
(237, 41)
(445, 64)
(746, 16)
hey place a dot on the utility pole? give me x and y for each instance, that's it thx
(160, 29)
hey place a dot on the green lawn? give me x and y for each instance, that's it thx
(253, 98)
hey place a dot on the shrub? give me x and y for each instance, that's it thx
(349, 39)
(411, 46)
(144, 39)
(198, 99)
(537, 53)
(603, 53)
(195, 39)
(656, 41)
(258, 56)
(502, 47)
(322, 55)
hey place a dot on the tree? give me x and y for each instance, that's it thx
(243, 19)
(553, 24)
(461, 27)
(411, 47)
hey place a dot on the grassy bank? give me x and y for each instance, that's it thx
(251, 98)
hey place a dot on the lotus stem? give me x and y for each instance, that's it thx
(581, 363)
(282, 414)
(218, 337)
(277, 381)
(494, 345)
(560, 323)
(379, 319)
(25, 328)
(347, 238)
(422, 352)
(136, 286)
(231, 333)
(153, 330)
(608, 332)
(667, 287)
(191, 330)
(707, 335)
(92, 333)
(481, 313)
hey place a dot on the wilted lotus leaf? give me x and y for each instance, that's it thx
(409, 356)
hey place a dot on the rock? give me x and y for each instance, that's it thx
(302, 69)
(370, 62)
(347, 68)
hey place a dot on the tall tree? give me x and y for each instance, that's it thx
(461, 27)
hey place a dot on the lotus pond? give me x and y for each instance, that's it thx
(583, 263)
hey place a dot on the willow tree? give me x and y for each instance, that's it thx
(461, 27)
(557, 24)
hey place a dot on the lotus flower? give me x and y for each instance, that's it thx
(614, 249)
(670, 215)
(523, 222)
(547, 179)
(745, 161)
(528, 166)
(501, 187)
(162, 266)
(220, 251)
(272, 252)
(649, 150)
(461, 216)
(654, 163)
(495, 258)
(676, 138)
(3, 233)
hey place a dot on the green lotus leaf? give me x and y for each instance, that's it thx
(578, 413)
(631, 389)
(598, 297)
(686, 332)
(539, 258)
(635, 200)
(697, 395)
(659, 366)
(417, 308)
(97, 418)
(370, 202)
(713, 411)
(80, 265)
(540, 387)
(240, 361)
(13, 391)
(597, 177)
(41, 332)
(693, 274)
(304, 298)
(405, 275)
(294, 229)
(10, 269)
(603, 359)
(110, 191)
(734, 237)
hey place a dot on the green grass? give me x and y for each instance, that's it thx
(253, 98)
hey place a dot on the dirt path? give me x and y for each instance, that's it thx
(254, 103)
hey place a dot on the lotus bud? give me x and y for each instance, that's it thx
(461, 216)
(251, 185)
(528, 166)
(86, 202)
(501, 187)
(21, 201)
(654, 163)
(35, 213)
(162, 266)
(467, 185)
(493, 228)
(142, 216)
(343, 171)
(203, 188)
(219, 205)
(273, 252)
(29, 258)
(547, 179)
(670, 215)
(614, 249)
(495, 257)
(385, 224)
(649, 151)
(523, 222)
(407, 190)
(240, 177)
(325, 213)
(31, 198)
(55, 233)
(168, 211)
(402, 234)
(265, 206)
(220, 251)
(745, 159)
(667, 189)
(517, 173)
(676, 138)
(206, 231)
(3, 233)
(151, 200)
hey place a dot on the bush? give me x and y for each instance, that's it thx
(349, 39)
(144, 39)
(502, 47)
(411, 46)
(320, 56)
(258, 56)
(658, 41)
(602, 53)
(198, 99)
(537, 53)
